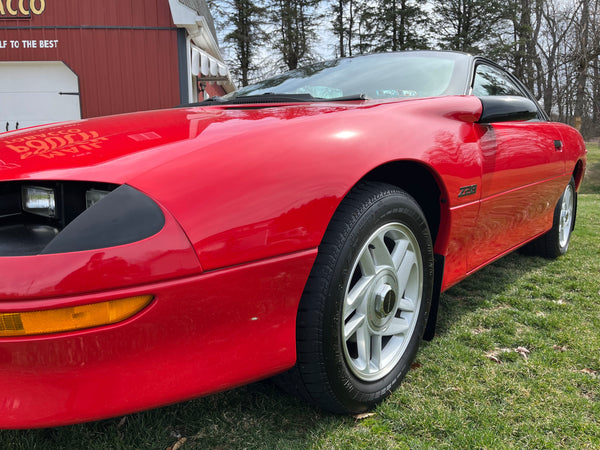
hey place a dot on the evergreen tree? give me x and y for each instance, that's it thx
(244, 18)
(394, 25)
(295, 23)
(468, 25)
(343, 24)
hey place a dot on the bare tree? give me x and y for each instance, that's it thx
(556, 24)
(582, 61)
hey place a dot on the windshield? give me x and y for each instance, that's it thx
(387, 75)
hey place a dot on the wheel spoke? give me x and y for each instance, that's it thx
(399, 252)
(376, 345)
(353, 325)
(357, 296)
(397, 326)
(381, 254)
(405, 270)
(363, 343)
(366, 264)
(406, 304)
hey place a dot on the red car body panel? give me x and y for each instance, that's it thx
(173, 350)
(166, 255)
(247, 194)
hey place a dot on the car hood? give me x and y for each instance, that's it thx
(117, 148)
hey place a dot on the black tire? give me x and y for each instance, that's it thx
(555, 242)
(367, 234)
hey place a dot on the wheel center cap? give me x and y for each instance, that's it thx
(385, 301)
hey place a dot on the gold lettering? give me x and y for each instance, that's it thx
(39, 10)
(56, 142)
(34, 137)
(2, 12)
(69, 138)
(38, 146)
(19, 148)
(9, 8)
(22, 9)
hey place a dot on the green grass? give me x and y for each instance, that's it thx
(591, 183)
(468, 389)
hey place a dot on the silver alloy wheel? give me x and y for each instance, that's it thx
(382, 301)
(566, 216)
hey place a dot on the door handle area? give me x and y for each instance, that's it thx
(558, 145)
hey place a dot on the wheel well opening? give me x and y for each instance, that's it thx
(578, 174)
(417, 181)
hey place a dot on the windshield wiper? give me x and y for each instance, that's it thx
(345, 98)
(208, 101)
(271, 97)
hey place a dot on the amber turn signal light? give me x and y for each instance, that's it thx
(71, 318)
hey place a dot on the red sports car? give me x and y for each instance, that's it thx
(306, 224)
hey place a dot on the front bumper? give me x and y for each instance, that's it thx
(201, 334)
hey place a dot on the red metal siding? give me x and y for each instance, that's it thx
(213, 89)
(124, 51)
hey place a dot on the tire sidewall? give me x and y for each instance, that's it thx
(562, 249)
(354, 393)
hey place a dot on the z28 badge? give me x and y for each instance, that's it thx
(467, 190)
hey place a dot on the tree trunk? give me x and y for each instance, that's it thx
(582, 63)
(596, 99)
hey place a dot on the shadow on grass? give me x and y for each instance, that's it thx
(254, 416)
(475, 291)
(258, 415)
(591, 182)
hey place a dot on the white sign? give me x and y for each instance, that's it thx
(29, 43)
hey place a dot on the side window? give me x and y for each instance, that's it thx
(491, 81)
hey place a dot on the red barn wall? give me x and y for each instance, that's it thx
(123, 51)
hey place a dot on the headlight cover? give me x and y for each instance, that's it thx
(123, 216)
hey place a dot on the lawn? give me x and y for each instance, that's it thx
(516, 363)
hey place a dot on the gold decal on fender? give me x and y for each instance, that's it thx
(56, 143)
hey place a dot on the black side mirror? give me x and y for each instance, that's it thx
(505, 108)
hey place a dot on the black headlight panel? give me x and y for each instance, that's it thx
(64, 216)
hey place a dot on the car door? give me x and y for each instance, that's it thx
(522, 165)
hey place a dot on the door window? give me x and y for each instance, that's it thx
(491, 81)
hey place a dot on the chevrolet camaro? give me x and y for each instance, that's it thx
(302, 227)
